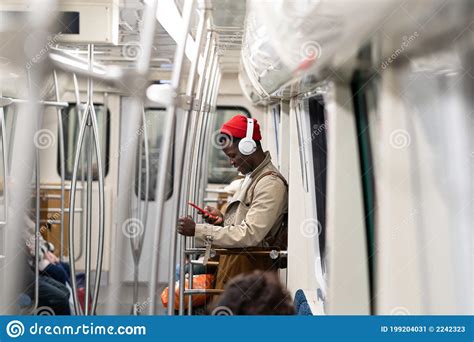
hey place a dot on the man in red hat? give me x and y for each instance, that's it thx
(257, 213)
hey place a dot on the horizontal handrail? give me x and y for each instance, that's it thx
(56, 187)
(209, 263)
(273, 253)
(203, 291)
(66, 210)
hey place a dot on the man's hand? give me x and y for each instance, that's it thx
(186, 226)
(215, 212)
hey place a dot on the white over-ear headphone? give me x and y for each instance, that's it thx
(247, 145)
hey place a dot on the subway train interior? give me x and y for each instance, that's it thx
(111, 114)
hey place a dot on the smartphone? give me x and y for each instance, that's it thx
(212, 217)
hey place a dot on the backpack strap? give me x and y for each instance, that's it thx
(268, 173)
(280, 237)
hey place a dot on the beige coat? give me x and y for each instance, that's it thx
(253, 217)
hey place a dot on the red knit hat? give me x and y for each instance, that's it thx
(237, 128)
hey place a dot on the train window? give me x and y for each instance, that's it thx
(318, 124)
(71, 127)
(220, 171)
(155, 119)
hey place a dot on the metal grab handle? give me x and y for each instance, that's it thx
(164, 162)
(83, 186)
(100, 254)
(6, 101)
(89, 119)
(62, 164)
(72, 199)
(138, 249)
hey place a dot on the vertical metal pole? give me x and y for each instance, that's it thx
(196, 137)
(23, 150)
(211, 118)
(72, 200)
(5, 192)
(197, 117)
(164, 159)
(89, 213)
(100, 252)
(203, 141)
(201, 127)
(37, 227)
(83, 181)
(184, 152)
(131, 123)
(201, 134)
(147, 178)
(90, 137)
(39, 121)
(5, 165)
(61, 164)
(95, 132)
(136, 243)
(134, 240)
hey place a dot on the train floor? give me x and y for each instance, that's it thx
(124, 299)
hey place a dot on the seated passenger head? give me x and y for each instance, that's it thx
(240, 150)
(256, 293)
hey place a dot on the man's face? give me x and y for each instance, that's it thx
(237, 159)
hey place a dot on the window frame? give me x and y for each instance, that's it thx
(170, 182)
(65, 118)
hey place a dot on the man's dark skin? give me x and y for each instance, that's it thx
(243, 164)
